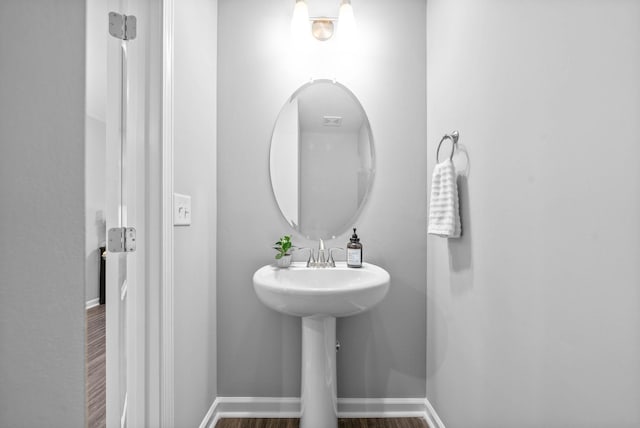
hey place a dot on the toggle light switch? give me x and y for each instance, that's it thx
(181, 210)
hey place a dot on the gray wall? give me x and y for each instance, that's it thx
(195, 175)
(534, 316)
(42, 110)
(383, 352)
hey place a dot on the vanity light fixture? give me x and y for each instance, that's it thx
(300, 20)
(347, 21)
(322, 28)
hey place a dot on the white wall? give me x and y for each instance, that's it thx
(195, 175)
(95, 146)
(383, 351)
(534, 315)
(42, 111)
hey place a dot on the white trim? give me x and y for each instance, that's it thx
(148, 315)
(123, 290)
(123, 416)
(258, 407)
(381, 407)
(92, 303)
(166, 326)
(289, 407)
(212, 416)
(430, 415)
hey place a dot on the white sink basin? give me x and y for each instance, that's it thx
(333, 291)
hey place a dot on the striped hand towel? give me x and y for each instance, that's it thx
(444, 212)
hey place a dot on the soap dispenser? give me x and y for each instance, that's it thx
(354, 251)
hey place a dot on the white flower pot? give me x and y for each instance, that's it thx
(284, 261)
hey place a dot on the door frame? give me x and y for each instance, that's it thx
(167, 283)
(140, 148)
(155, 363)
(154, 325)
(159, 372)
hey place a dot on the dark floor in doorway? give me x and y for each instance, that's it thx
(342, 423)
(96, 367)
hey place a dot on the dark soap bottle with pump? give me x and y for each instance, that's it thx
(354, 251)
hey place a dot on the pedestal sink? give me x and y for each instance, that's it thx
(319, 295)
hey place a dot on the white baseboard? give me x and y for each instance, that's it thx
(430, 415)
(381, 407)
(211, 417)
(289, 407)
(92, 303)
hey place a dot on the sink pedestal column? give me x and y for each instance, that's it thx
(319, 402)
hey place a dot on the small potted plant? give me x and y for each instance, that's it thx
(284, 248)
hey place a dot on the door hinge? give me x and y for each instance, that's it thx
(122, 26)
(122, 239)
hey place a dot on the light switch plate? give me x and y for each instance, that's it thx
(181, 210)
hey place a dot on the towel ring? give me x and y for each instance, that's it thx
(454, 140)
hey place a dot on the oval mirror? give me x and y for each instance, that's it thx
(322, 159)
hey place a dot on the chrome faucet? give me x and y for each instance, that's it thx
(323, 258)
(320, 260)
(331, 262)
(311, 261)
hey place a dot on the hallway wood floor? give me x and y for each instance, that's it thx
(96, 367)
(342, 423)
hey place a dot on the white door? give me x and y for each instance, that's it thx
(123, 103)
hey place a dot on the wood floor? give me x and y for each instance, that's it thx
(342, 423)
(96, 367)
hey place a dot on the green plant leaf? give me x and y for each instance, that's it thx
(283, 246)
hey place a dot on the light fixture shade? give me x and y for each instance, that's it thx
(346, 22)
(322, 29)
(300, 21)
